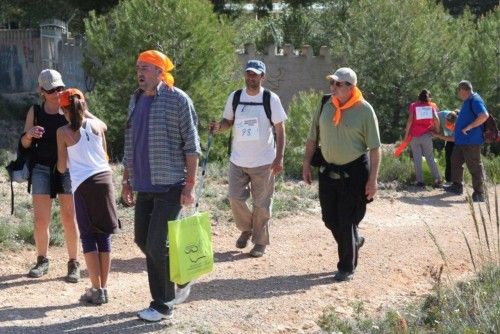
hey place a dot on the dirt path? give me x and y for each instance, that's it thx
(283, 292)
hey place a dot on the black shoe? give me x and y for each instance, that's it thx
(360, 242)
(343, 276)
(477, 197)
(419, 184)
(41, 267)
(243, 239)
(455, 188)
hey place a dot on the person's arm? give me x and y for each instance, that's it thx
(187, 195)
(127, 194)
(480, 119)
(31, 132)
(436, 123)
(62, 152)
(306, 164)
(277, 165)
(223, 125)
(371, 184)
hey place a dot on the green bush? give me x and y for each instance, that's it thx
(300, 112)
(198, 42)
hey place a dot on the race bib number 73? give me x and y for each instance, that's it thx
(247, 129)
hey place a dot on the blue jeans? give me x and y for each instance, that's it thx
(152, 213)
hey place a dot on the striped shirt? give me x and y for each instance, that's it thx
(172, 135)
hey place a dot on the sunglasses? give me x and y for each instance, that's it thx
(53, 90)
(339, 84)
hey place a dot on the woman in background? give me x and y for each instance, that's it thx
(82, 147)
(422, 121)
(40, 137)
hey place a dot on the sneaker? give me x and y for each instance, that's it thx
(73, 271)
(477, 197)
(455, 188)
(258, 250)
(152, 315)
(243, 239)
(182, 292)
(343, 276)
(94, 296)
(41, 267)
(419, 184)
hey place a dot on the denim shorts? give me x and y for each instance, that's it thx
(40, 181)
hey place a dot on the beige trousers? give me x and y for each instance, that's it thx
(259, 182)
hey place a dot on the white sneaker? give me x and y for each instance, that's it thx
(152, 315)
(181, 294)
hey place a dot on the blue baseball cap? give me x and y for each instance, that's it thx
(256, 66)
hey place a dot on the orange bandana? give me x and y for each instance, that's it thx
(158, 59)
(449, 125)
(64, 96)
(355, 98)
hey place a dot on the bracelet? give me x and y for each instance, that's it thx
(127, 181)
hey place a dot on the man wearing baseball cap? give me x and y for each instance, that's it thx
(346, 129)
(256, 118)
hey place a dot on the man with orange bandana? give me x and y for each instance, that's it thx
(346, 129)
(160, 163)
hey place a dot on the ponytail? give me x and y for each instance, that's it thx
(76, 109)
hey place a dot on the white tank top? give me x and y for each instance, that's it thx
(87, 157)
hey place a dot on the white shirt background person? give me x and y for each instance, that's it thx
(253, 139)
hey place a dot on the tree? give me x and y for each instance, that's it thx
(30, 13)
(186, 30)
(398, 48)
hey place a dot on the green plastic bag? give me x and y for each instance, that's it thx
(191, 253)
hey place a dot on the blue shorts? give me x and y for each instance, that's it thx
(40, 181)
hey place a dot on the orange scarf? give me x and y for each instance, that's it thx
(158, 59)
(355, 98)
(449, 125)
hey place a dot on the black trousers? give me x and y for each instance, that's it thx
(448, 150)
(343, 206)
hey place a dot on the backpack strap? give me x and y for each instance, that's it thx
(324, 100)
(266, 100)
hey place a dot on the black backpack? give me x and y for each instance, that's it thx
(490, 131)
(266, 102)
(19, 170)
(490, 128)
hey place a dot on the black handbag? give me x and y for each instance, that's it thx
(317, 159)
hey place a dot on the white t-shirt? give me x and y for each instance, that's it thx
(253, 139)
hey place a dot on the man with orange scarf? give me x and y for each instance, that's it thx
(347, 131)
(160, 162)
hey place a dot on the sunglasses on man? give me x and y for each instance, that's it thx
(339, 83)
(53, 90)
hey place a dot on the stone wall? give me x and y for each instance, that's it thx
(292, 71)
(24, 53)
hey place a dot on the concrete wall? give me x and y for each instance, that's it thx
(24, 53)
(292, 71)
(20, 60)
